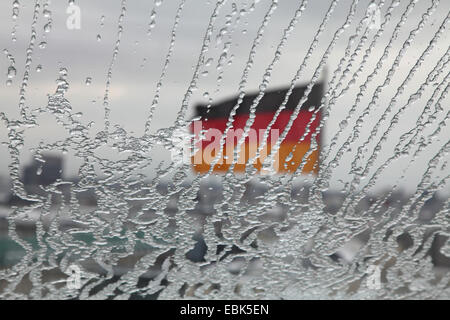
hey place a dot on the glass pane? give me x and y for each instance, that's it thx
(248, 149)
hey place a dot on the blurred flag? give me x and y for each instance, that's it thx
(211, 121)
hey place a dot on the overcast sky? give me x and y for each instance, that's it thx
(141, 57)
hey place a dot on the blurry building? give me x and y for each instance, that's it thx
(43, 172)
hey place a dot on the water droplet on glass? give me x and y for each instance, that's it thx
(15, 10)
(48, 27)
(11, 72)
(343, 124)
(209, 61)
(47, 13)
(63, 71)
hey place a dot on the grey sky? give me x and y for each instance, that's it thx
(134, 81)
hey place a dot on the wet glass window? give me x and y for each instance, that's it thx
(214, 149)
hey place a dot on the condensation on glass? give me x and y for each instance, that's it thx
(252, 149)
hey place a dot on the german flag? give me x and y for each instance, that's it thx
(211, 123)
